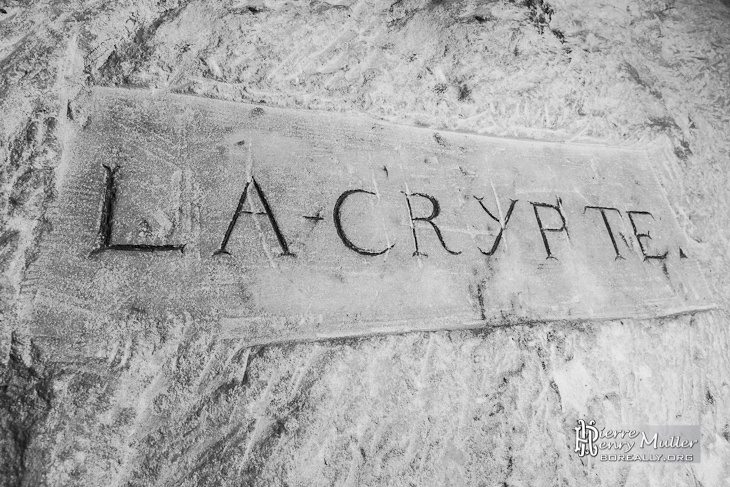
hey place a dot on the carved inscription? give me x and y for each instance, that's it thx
(502, 224)
(267, 212)
(107, 222)
(603, 210)
(435, 211)
(337, 218)
(281, 225)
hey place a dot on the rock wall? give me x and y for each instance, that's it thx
(171, 405)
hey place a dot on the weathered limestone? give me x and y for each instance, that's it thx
(149, 401)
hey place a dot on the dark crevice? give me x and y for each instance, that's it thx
(129, 57)
(25, 400)
(540, 13)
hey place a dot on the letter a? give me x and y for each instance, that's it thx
(267, 211)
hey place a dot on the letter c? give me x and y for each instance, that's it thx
(341, 232)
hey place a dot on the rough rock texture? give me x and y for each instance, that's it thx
(172, 406)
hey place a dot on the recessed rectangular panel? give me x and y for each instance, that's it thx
(273, 225)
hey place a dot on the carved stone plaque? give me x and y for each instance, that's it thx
(274, 225)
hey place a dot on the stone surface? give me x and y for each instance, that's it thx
(271, 225)
(168, 403)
